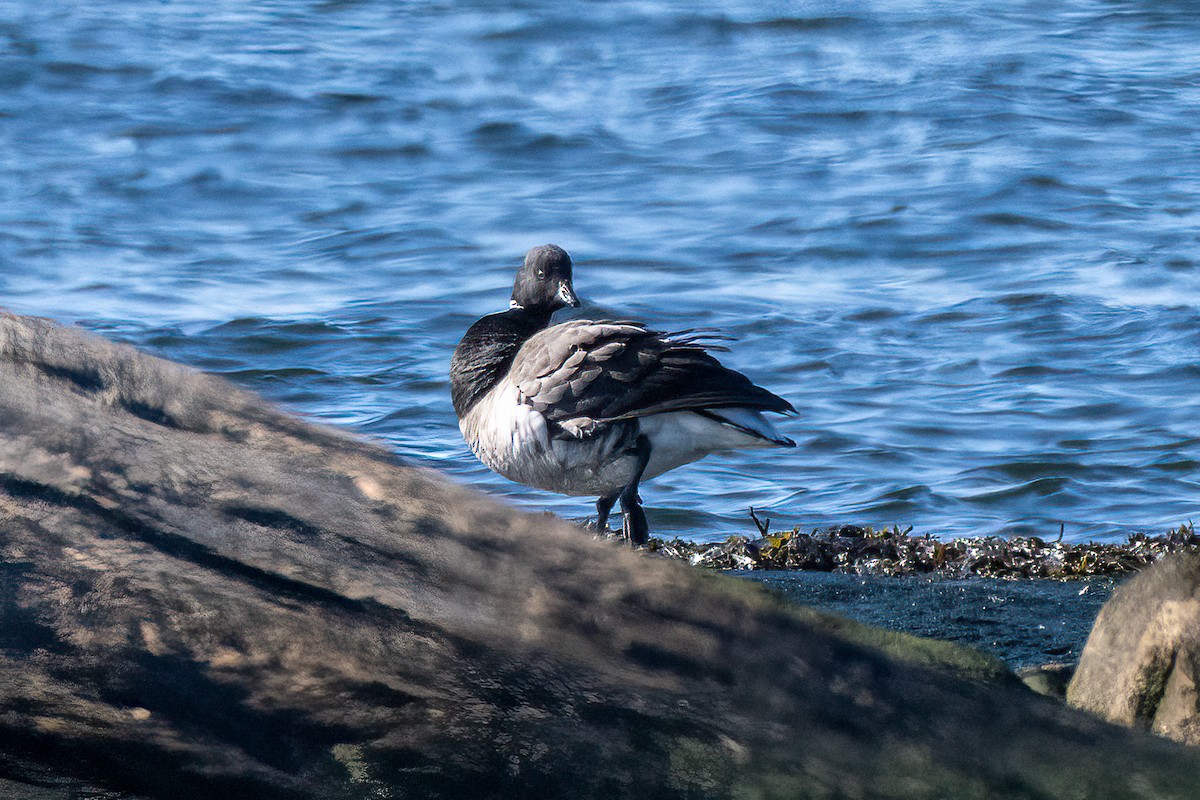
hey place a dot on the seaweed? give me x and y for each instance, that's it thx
(891, 551)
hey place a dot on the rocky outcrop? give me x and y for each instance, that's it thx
(1141, 665)
(1050, 680)
(202, 597)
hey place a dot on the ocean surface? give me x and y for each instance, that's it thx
(962, 238)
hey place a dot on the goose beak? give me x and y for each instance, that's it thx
(567, 295)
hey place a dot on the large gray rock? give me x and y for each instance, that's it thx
(1141, 665)
(201, 597)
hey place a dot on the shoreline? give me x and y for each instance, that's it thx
(856, 550)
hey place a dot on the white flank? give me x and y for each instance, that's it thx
(512, 438)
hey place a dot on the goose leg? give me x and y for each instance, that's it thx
(603, 506)
(637, 530)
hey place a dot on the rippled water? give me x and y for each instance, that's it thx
(961, 238)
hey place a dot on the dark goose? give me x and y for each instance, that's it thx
(592, 407)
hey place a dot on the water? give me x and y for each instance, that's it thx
(961, 238)
(1023, 623)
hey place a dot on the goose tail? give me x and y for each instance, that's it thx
(749, 422)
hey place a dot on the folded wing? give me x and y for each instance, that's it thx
(583, 375)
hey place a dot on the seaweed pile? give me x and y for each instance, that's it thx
(890, 551)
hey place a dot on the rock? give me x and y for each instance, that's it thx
(1048, 679)
(202, 597)
(1141, 665)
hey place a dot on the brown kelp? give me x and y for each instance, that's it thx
(892, 551)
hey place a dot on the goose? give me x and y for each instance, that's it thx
(595, 407)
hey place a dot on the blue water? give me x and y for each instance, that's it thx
(961, 238)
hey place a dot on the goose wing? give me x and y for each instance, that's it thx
(583, 374)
